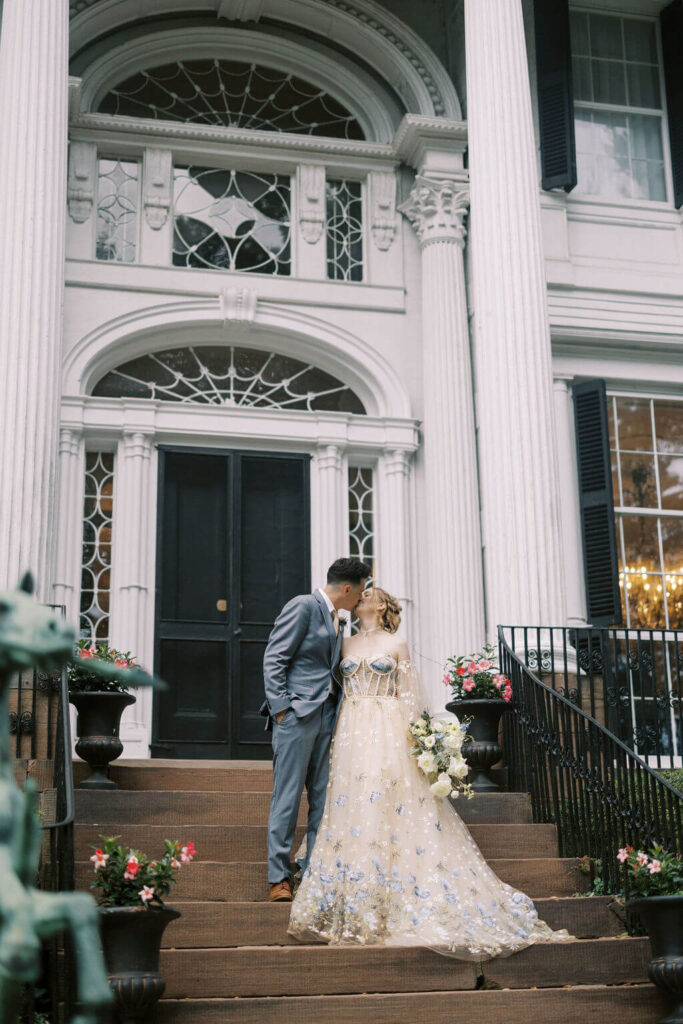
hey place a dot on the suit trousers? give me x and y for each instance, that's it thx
(301, 756)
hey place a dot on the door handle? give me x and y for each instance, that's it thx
(222, 605)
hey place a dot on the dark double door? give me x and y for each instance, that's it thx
(233, 546)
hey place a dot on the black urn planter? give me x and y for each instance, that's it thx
(99, 720)
(482, 750)
(663, 918)
(131, 940)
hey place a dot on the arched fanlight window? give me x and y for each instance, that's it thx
(229, 376)
(234, 94)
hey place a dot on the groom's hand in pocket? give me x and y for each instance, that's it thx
(281, 714)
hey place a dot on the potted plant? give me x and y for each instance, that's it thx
(478, 687)
(100, 702)
(656, 878)
(130, 890)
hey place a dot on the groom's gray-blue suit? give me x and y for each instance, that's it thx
(298, 669)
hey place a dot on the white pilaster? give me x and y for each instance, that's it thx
(522, 535)
(329, 510)
(393, 530)
(33, 115)
(569, 497)
(453, 586)
(70, 521)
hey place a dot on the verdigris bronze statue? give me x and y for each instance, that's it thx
(32, 635)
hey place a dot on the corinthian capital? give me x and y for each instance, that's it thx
(436, 208)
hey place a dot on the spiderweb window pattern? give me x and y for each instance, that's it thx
(344, 231)
(117, 210)
(235, 94)
(229, 376)
(362, 515)
(232, 220)
(96, 551)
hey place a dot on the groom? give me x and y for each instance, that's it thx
(301, 704)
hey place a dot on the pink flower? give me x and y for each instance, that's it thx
(175, 863)
(190, 849)
(132, 868)
(655, 867)
(507, 696)
(642, 859)
(499, 681)
(86, 652)
(622, 855)
(485, 665)
(121, 663)
(146, 893)
(447, 680)
(99, 859)
(468, 685)
(187, 852)
(472, 667)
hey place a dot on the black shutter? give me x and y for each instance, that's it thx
(601, 568)
(671, 21)
(555, 95)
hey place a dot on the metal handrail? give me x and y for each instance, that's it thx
(596, 789)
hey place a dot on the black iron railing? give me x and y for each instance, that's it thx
(630, 680)
(599, 792)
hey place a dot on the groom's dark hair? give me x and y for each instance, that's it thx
(348, 570)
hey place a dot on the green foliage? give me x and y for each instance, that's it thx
(128, 878)
(674, 776)
(83, 681)
(473, 676)
(652, 873)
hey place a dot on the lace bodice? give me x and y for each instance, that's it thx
(378, 675)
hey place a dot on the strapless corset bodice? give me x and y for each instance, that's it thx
(374, 676)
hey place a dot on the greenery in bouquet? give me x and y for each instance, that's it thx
(477, 675)
(81, 680)
(128, 878)
(655, 873)
(437, 745)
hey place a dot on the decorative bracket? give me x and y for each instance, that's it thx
(311, 179)
(383, 207)
(80, 193)
(157, 175)
(237, 305)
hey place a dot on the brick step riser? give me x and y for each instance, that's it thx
(248, 842)
(641, 1004)
(180, 809)
(203, 880)
(315, 970)
(265, 924)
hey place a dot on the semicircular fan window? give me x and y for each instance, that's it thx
(234, 94)
(229, 376)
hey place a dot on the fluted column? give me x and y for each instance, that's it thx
(329, 510)
(70, 520)
(453, 584)
(33, 115)
(518, 474)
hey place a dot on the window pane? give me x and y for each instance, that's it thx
(669, 426)
(646, 602)
(648, 180)
(615, 479)
(634, 424)
(117, 210)
(582, 81)
(672, 543)
(671, 481)
(609, 82)
(602, 153)
(640, 41)
(638, 482)
(579, 32)
(643, 86)
(605, 36)
(641, 545)
(646, 137)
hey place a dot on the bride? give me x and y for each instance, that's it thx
(392, 864)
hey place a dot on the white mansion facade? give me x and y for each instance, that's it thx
(289, 279)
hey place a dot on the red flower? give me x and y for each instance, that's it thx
(462, 671)
(86, 652)
(121, 663)
(190, 848)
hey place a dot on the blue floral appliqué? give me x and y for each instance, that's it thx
(355, 830)
(375, 796)
(401, 809)
(341, 800)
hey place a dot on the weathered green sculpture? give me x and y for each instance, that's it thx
(32, 635)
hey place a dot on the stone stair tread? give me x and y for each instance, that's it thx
(633, 1004)
(330, 970)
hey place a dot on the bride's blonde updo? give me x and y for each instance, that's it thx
(390, 618)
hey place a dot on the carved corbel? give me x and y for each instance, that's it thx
(237, 305)
(383, 208)
(80, 193)
(157, 173)
(311, 202)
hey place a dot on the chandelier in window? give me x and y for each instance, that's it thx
(229, 376)
(234, 94)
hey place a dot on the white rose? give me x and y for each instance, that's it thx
(452, 741)
(442, 786)
(430, 741)
(427, 762)
(457, 767)
(420, 727)
(437, 726)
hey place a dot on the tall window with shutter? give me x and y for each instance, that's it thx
(671, 22)
(603, 601)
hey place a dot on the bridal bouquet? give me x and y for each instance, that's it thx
(477, 675)
(437, 744)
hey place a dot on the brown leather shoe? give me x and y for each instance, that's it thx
(281, 892)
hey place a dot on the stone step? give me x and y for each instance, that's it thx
(629, 1004)
(166, 773)
(248, 842)
(265, 924)
(206, 880)
(334, 970)
(182, 808)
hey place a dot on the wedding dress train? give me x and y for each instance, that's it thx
(392, 864)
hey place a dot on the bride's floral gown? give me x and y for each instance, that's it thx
(393, 864)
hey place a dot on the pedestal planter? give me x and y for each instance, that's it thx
(483, 749)
(663, 918)
(131, 939)
(99, 719)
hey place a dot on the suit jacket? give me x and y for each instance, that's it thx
(301, 658)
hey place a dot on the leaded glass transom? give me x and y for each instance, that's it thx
(235, 94)
(344, 202)
(229, 376)
(96, 553)
(232, 220)
(117, 210)
(361, 514)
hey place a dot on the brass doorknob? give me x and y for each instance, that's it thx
(222, 605)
